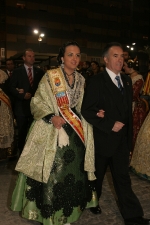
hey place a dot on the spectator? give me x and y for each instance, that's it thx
(95, 67)
(23, 84)
(139, 111)
(86, 69)
(6, 122)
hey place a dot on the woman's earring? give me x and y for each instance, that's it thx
(62, 64)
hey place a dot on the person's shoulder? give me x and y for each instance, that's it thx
(18, 69)
(99, 76)
(38, 69)
(125, 76)
(139, 76)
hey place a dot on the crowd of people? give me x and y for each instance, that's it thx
(72, 124)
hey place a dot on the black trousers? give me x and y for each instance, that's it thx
(23, 124)
(119, 165)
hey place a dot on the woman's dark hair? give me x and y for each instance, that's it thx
(63, 49)
(108, 46)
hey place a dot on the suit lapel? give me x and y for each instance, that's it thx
(127, 87)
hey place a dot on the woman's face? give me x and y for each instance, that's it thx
(71, 57)
(126, 68)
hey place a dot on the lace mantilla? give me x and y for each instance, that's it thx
(75, 93)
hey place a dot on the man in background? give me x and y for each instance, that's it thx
(23, 84)
(86, 69)
(10, 66)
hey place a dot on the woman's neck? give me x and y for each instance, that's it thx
(68, 71)
(133, 73)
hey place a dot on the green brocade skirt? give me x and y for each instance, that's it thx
(66, 194)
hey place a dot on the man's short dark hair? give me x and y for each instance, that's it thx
(9, 59)
(26, 50)
(108, 46)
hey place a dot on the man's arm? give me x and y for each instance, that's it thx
(14, 85)
(93, 101)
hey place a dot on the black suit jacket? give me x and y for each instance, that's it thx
(102, 93)
(19, 79)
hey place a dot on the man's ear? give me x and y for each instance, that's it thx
(105, 59)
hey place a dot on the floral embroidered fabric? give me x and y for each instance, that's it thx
(139, 107)
(6, 125)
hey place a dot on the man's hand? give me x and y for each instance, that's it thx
(117, 126)
(21, 91)
(101, 113)
(27, 96)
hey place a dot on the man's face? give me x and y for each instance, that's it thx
(114, 59)
(10, 65)
(29, 58)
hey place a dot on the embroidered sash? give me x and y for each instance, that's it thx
(58, 85)
(5, 99)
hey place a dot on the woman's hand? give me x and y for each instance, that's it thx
(100, 113)
(58, 121)
(20, 90)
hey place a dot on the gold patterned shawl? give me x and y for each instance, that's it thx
(38, 155)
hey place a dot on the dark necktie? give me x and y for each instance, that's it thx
(10, 73)
(30, 76)
(119, 84)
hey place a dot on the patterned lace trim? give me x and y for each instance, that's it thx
(75, 93)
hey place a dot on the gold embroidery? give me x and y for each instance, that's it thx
(33, 215)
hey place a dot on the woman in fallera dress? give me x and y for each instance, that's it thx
(140, 162)
(57, 164)
(6, 122)
(139, 106)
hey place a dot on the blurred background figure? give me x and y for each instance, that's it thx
(46, 67)
(86, 69)
(143, 63)
(95, 67)
(102, 68)
(10, 66)
(23, 84)
(139, 105)
(6, 123)
(126, 55)
(79, 67)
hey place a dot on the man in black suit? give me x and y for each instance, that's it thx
(111, 92)
(23, 85)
